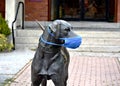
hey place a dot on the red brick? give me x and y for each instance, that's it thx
(83, 71)
(38, 10)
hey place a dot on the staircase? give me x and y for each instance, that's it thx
(104, 40)
(27, 38)
(100, 41)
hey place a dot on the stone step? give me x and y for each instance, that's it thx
(92, 41)
(101, 41)
(100, 34)
(81, 24)
(85, 41)
(29, 46)
(28, 33)
(96, 48)
(26, 40)
(82, 48)
(37, 33)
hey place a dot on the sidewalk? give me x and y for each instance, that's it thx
(83, 71)
(12, 62)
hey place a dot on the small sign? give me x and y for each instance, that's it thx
(35, 0)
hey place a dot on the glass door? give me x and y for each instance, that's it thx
(74, 10)
(95, 9)
(65, 9)
(70, 9)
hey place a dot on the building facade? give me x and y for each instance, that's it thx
(71, 10)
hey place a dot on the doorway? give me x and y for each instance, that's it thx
(65, 9)
(76, 10)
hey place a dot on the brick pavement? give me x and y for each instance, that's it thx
(83, 71)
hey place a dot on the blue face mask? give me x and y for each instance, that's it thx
(73, 42)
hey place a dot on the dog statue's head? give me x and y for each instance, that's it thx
(60, 28)
(61, 31)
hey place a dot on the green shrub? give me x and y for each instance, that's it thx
(4, 33)
(4, 44)
(4, 29)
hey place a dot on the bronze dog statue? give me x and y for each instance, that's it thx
(51, 59)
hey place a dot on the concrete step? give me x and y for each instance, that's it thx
(28, 32)
(82, 24)
(82, 48)
(31, 46)
(37, 32)
(100, 34)
(93, 41)
(85, 41)
(98, 48)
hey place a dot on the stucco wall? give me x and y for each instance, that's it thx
(36, 10)
(10, 11)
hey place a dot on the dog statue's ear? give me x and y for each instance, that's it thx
(58, 31)
(52, 27)
(55, 25)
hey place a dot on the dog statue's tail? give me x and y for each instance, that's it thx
(44, 81)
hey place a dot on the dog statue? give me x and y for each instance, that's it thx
(51, 59)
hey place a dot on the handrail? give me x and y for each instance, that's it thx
(13, 37)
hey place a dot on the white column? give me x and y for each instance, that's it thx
(10, 11)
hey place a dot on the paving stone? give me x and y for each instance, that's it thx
(83, 71)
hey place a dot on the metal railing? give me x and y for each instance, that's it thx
(13, 37)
